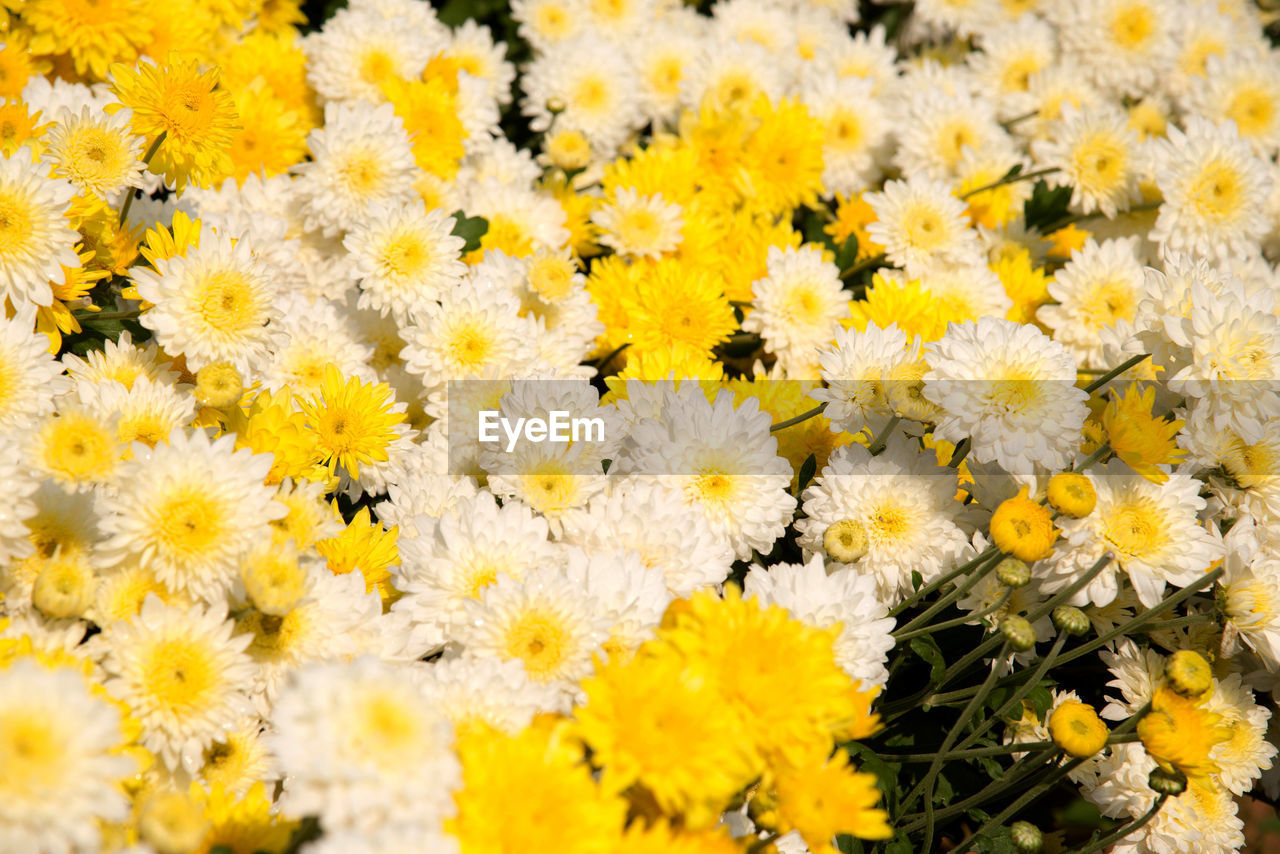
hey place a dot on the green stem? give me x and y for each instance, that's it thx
(882, 438)
(739, 303)
(1008, 123)
(1125, 830)
(604, 363)
(977, 752)
(943, 603)
(1145, 617)
(864, 264)
(802, 417)
(1027, 766)
(961, 451)
(146, 158)
(967, 619)
(90, 316)
(1074, 218)
(1010, 179)
(1016, 697)
(939, 582)
(1098, 453)
(1179, 622)
(1115, 372)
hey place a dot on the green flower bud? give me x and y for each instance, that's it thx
(1013, 572)
(1018, 632)
(1071, 620)
(1172, 783)
(1026, 836)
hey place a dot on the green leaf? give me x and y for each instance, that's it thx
(927, 648)
(470, 229)
(900, 846)
(991, 766)
(807, 470)
(1046, 206)
(848, 253)
(917, 581)
(1041, 699)
(943, 791)
(886, 772)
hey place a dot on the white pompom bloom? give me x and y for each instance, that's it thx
(1251, 593)
(36, 240)
(500, 694)
(858, 372)
(148, 412)
(404, 256)
(1215, 191)
(1125, 45)
(61, 772)
(844, 596)
(587, 85)
(361, 744)
(885, 516)
(797, 308)
(1097, 154)
(938, 125)
(30, 377)
(1009, 388)
(190, 508)
(639, 226)
(1242, 87)
(360, 49)
(855, 130)
(361, 157)
(314, 334)
(1151, 528)
(921, 223)
(1100, 286)
(183, 674)
(215, 304)
(1243, 757)
(718, 461)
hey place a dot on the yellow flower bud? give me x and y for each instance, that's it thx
(65, 586)
(1077, 729)
(219, 385)
(1189, 673)
(1023, 528)
(845, 541)
(1072, 494)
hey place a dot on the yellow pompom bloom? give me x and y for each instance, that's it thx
(1072, 494)
(354, 422)
(56, 319)
(429, 109)
(198, 120)
(219, 385)
(784, 157)
(243, 825)
(661, 838)
(19, 126)
(94, 33)
(1066, 240)
(1140, 438)
(277, 58)
(522, 793)
(77, 448)
(677, 306)
(364, 545)
(893, 300)
(777, 674)
(993, 207)
(830, 798)
(1023, 528)
(273, 426)
(273, 579)
(648, 722)
(1024, 283)
(1188, 673)
(272, 138)
(186, 26)
(1077, 729)
(853, 215)
(1179, 733)
(18, 63)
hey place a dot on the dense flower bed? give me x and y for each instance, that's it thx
(927, 364)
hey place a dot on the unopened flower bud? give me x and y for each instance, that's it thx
(1013, 572)
(219, 385)
(1172, 783)
(1071, 620)
(845, 541)
(1018, 632)
(1026, 837)
(65, 586)
(555, 105)
(1188, 673)
(1072, 494)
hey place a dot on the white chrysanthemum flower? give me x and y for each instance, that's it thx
(1215, 191)
(1251, 593)
(61, 772)
(360, 157)
(1009, 388)
(661, 57)
(1244, 88)
(121, 361)
(1204, 31)
(963, 17)
(1243, 757)
(476, 333)
(96, 152)
(855, 130)
(421, 490)
(965, 290)
(360, 49)
(547, 24)
(846, 597)
(1011, 53)
(147, 413)
(637, 517)
(183, 675)
(519, 213)
(886, 516)
(588, 85)
(920, 223)
(630, 597)
(937, 126)
(500, 694)
(238, 760)
(721, 462)
(36, 240)
(640, 226)
(551, 478)
(1097, 154)
(361, 744)
(544, 620)
(728, 75)
(190, 508)
(1049, 93)
(797, 308)
(404, 257)
(1152, 530)
(474, 544)
(215, 304)
(472, 47)
(1100, 286)
(867, 55)
(761, 22)
(858, 372)
(30, 378)
(314, 334)
(77, 447)
(1124, 45)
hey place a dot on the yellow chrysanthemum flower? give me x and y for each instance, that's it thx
(662, 838)
(1066, 240)
(94, 33)
(18, 63)
(853, 215)
(429, 110)
(1137, 436)
(1026, 285)
(1179, 733)
(678, 306)
(242, 825)
(19, 127)
(272, 138)
(272, 425)
(364, 545)
(1072, 494)
(354, 422)
(784, 157)
(198, 120)
(907, 303)
(521, 792)
(279, 60)
(186, 26)
(1023, 528)
(1076, 728)
(787, 399)
(829, 798)
(56, 319)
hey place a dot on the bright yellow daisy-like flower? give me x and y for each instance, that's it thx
(198, 120)
(907, 303)
(364, 545)
(19, 126)
(272, 425)
(354, 421)
(1179, 733)
(1023, 528)
(429, 110)
(1026, 284)
(829, 798)
(1137, 436)
(18, 63)
(95, 33)
(1077, 729)
(273, 136)
(853, 215)
(678, 305)
(784, 155)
